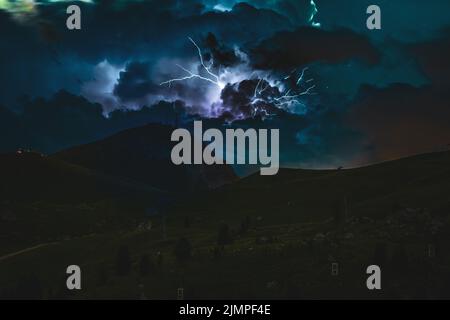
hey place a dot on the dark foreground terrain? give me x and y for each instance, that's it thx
(257, 237)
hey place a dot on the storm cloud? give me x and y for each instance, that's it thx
(340, 94)
(289, 49)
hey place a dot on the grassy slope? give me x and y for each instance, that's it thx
(44, 199)
(291, 209)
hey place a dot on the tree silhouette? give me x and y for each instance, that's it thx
(187, 222)
(245, 225)
(29, 287)
(380, 254)
(159, 259)
(145, 265)
(123, 262)
(339, 213)
(102, 275)
(183, 250)
(224, 237)
(399, 260)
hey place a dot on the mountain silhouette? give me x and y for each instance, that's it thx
(143, 154)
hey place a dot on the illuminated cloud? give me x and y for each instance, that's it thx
(25, 10)
(100, 89)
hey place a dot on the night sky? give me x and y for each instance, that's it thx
(341, 95)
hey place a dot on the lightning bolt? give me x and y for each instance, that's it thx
(298, 86)
(287, 98)
(314, 11)
(214, 78)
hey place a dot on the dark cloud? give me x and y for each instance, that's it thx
(220, 55)
(239, 99)
(290, 49)
(433, 58)
(298, 12)
(11, 131)
(135, 83)
(142, 28)
(403, 20)
(402, 120)
(65, 120)
(49, 57)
